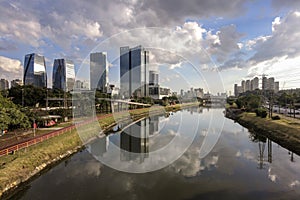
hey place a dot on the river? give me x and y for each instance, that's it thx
(195, 153)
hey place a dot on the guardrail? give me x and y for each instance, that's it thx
(46, 136)
(41, 138)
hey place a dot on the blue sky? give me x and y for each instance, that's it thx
(212, 44)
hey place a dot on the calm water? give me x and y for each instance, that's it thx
(224, 161)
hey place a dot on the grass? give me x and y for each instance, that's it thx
(18, 167)
(284, 131)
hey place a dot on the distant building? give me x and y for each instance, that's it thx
(248, 86)
(271, 83)
(237, 90)
(276, 88)
(198, 92)
(134, 72)
(153, 85)
(243, 84)
(99, 71)
(16, 82)
(164, 92)
(86, 85)
(255, 83)
(78, 84)
(35, 70)
(63, 76)
(4, 84)
(265, 84)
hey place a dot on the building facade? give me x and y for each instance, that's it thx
(99, 71)
(134, 72)
(255, 83)
(4, 84)
(63, 76)
(35, 70)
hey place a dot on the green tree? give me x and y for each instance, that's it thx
(11, 117)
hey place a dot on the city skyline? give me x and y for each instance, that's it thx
(242, 40)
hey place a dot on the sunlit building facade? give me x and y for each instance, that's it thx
(134, 72)
(63, 75)
(35, 70)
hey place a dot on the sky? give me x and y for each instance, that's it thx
(210, 44)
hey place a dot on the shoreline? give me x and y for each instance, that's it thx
(283, 132)
(14, 184)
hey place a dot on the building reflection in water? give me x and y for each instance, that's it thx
(135, 142)
(99, 146)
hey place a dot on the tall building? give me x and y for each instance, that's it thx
(78, 84)
(265, 84)
(35, 70)
(4, 84)
(134, 72)
(153, 78)
(248, 85)
(255, 83)
(63, 76)
(243, 84)
(153, 85)
(16, 82)
(276, 88)
(271, 83)
(237, 90)
(99, 71)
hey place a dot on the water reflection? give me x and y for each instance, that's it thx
(135, 142)
(241, 165)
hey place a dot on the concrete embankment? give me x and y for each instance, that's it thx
(284, 132)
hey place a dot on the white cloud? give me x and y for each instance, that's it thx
(10, 68)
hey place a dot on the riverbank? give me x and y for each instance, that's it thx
(25, 164)
(285, 132)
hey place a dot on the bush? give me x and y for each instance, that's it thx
(276, 117)
(261, 112)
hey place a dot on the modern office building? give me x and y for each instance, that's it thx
(134, 72)
(153, 85)
(99, 71)
(4, 84)
(35, 70)
(63, 76)
(16, 82)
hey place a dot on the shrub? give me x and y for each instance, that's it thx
(276, 117)
(261, 112)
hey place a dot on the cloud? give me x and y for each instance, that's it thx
(279, 4)
(284, 41)
(10, 68)
(226, 42)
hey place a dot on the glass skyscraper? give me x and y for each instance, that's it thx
(35, 70)
(63, 76)
(98, 71)
(134, 72)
